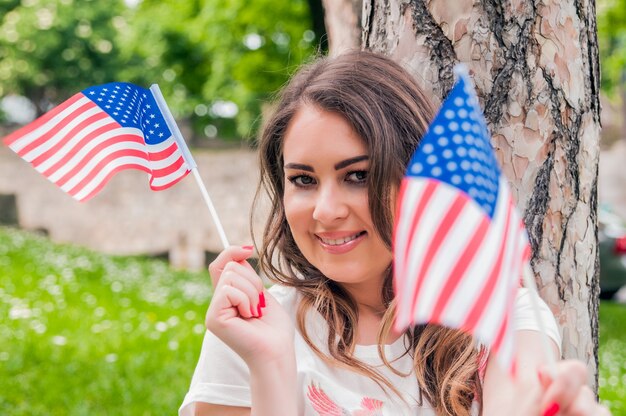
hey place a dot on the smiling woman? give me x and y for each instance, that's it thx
(319, 342)
(326, 201)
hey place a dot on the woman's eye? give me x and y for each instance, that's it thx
(302, 180)
(359, 176)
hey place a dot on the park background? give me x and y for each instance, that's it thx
(103, 302)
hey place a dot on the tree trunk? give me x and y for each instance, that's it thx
(343, 25)
(535, 66)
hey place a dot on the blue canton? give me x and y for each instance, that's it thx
(131, 106)
(456, 149)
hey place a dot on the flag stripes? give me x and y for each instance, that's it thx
(459, 243)
(81, 144)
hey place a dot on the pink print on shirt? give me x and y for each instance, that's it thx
(326, 407)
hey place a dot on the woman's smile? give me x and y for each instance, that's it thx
(340, 242)
(326, 198)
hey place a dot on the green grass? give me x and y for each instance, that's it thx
(87, 334)
(612, 357)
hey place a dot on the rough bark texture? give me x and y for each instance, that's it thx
(343, 25)
(535, 66)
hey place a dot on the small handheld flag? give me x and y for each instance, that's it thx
(459, 244)
(80, 144)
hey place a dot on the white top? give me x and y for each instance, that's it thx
(222, 377)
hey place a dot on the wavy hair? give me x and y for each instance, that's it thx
(390, 113)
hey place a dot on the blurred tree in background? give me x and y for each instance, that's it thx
(612, 40)
(48, 52)
(216, 61)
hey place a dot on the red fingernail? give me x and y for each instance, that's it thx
(262, 300)
(247, 247)
(260, 312)
(552, 410)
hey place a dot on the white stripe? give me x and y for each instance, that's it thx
(102, 174)
(155, 148)
(86, 170)
(52, 141)
(25, 140)
(165, 180)
(82, 153)
(71, 144)
(163, 163)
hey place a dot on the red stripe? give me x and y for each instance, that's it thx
(163, 154)
(167, 185)
(102, 164)
(481, 303)
(16, 135)
(450, 217)
(109, 176)
(458, 272)
(56, 128)
(67, 137)
(159, 173)
(95, 151)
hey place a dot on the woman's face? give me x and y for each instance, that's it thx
(326, 198)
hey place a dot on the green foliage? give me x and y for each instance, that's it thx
(611, 17)
(202, 53)
(220, 50)
(612, 357)
(51, 49)
(89, 334)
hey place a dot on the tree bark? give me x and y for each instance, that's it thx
(343, 25)
(535, 66)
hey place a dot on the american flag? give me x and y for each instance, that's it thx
(80, 144)
(459, 243)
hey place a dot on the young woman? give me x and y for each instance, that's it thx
(319, 342)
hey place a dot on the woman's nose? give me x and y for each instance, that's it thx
(331, 204)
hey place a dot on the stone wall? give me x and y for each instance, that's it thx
(128, 218)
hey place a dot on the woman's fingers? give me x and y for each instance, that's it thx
(567, 393)
(230, 254)
(243, 271)
(238, 276)
(229, 303)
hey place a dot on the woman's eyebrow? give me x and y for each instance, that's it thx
(348, 162)
(299, 166)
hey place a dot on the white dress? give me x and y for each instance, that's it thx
(222, 377)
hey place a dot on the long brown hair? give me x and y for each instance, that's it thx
(387, 109)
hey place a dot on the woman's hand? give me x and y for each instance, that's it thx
(566, 392)
(245, 316)
(535, 392)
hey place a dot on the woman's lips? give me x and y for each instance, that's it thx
(340, 242)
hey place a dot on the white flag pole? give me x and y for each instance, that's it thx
(171, 123)
(531, 285)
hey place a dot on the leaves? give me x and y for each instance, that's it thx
(200, 52)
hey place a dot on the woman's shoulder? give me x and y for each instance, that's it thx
(287, 296)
